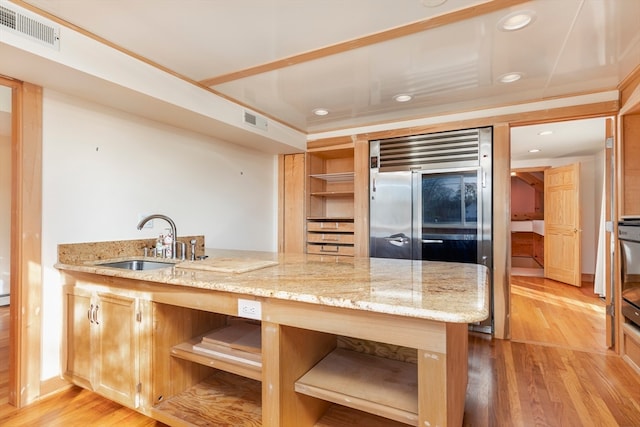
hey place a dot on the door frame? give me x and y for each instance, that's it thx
(610, 199)
(26, 243)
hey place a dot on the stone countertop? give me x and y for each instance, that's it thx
(446, 292)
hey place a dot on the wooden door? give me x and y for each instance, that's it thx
(78, 361)
(562, 247)
(117, 370)
(292, 193)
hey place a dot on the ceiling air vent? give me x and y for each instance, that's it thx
(32, 26)
(254, 120)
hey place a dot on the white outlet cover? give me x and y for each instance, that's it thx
(250, 309)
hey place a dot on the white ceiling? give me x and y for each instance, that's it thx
(284, 58)
(576, 138)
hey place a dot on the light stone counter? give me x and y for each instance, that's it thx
(446, 292)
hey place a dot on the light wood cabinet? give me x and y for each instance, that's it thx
(103, 343)
(330, 200)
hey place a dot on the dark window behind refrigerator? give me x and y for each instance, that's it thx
(450, 217)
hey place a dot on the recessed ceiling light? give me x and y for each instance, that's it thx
(545, 132)
(510, 77)
(534, 150)
(403, 97)
(320, 111)
(517, 20)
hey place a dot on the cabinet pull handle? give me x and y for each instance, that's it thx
(95, 315)
(331, 225)
(323, 248)
(330, 238)
(90, 313)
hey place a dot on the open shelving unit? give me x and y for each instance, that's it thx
(330, 201)
(221, 399)
(230, 360)
(371, 384)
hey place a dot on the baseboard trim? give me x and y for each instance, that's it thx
(589, 278)
(53, 385)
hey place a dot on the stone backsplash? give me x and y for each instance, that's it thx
(77, 253)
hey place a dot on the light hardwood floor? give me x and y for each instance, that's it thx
(555, 371)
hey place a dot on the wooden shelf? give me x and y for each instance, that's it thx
(379, 386)
(335, 177)
(222, 399)
(332, 194)
(330, 218)
(340, 416)
(234, 348)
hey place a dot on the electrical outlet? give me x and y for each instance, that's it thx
(250, 309)
(149, 223)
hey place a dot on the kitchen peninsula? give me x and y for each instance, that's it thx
(365, 342)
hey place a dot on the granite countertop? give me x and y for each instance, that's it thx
(448, 292)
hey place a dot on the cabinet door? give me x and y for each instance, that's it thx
(116, 349)
(78, 361)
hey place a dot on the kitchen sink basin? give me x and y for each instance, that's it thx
(137, 264)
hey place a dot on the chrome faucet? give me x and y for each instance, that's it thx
(172, 224)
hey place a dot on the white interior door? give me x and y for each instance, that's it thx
(562, 236)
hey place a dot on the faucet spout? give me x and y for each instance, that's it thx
(172, 224)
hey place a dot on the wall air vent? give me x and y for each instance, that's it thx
(30, 25)
(254, 120)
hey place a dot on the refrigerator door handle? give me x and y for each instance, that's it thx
(398, 239)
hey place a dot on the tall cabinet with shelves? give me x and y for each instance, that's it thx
(330, 200)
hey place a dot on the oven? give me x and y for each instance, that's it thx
(629, 238)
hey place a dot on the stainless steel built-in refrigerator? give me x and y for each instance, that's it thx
(430, 198)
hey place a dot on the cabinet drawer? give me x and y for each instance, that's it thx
(343, 238)
(329, 249)
(330, 226)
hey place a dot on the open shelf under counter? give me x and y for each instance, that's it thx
(233, 348)
(221, 399)
(341, 416)
(375, 385)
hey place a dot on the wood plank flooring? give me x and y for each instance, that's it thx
(554, 313)
(555, 371)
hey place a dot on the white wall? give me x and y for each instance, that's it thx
(102, 168)
(591, 176)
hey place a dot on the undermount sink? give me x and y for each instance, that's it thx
(137, 264)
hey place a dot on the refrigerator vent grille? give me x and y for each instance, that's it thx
(34, 27)
(454, 148)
